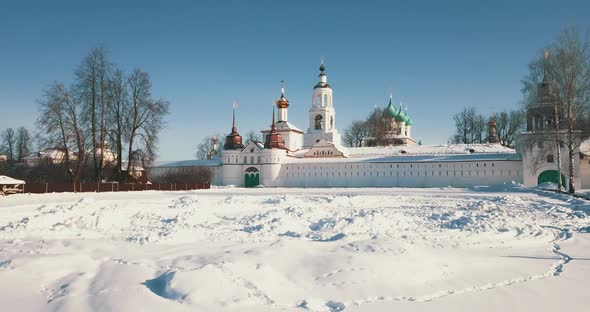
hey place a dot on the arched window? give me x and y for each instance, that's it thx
(325, 100)
(245, 159)
(318, 122)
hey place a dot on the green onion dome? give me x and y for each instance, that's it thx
(391, 109)
(409, 122)
(407, 116)
(400, 117)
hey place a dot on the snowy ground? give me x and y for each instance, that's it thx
(502, 249)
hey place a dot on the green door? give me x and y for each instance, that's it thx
(251, 177)
(247, 182)
(550, 176)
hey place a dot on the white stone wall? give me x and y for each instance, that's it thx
(293, 140)
(309, 139)
(423, 174)
(585, 172)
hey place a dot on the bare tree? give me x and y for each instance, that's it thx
(23, 144)
(206, 146)
(568, 69)
(92, 80)
(470, 127)
(509, 125)
(252, 136)
(60, 124)
(118, 109)
(376, 124)
(145, 117)
(9, 143)
(566, 66)
(357, 133)
(186, 175)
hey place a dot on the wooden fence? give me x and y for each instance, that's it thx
(42, 188)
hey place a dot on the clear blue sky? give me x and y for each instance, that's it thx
(437, 56)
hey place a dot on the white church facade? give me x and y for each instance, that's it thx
(290, 157)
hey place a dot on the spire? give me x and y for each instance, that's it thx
(282, 102)
(274, 138)
(323, 80)
(234, 129)
(273, 127)
(546, 56)
(234, 139)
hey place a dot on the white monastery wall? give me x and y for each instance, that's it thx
(378, 174)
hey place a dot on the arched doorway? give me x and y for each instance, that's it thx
(550, 176)
(251, 177)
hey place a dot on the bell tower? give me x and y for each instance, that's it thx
(322, 116)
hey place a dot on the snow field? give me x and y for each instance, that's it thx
(286, 249)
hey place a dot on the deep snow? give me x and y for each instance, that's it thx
(479, 249)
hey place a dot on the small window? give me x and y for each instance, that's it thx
(550, 158)
(251, 150)
(245, 159)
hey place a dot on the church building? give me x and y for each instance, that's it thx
(290, 157)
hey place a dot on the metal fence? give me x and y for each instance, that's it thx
(42, 188)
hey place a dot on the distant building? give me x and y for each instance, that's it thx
(398, 127)
(57, 155)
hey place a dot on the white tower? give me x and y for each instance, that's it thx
(292, 136)
(322, 116)
(282, 104)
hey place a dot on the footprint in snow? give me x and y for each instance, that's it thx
(335, 306)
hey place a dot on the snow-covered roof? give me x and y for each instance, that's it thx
(4, 180)
(194, 163)
(125, 163)
(429, 149)
(425, 153)
(585, 147)
(284, 126)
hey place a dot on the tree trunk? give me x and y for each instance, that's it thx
(102, 120)
(129, 163)
(572, 170)
(571, 145)
(93, 126)
(558, 145)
